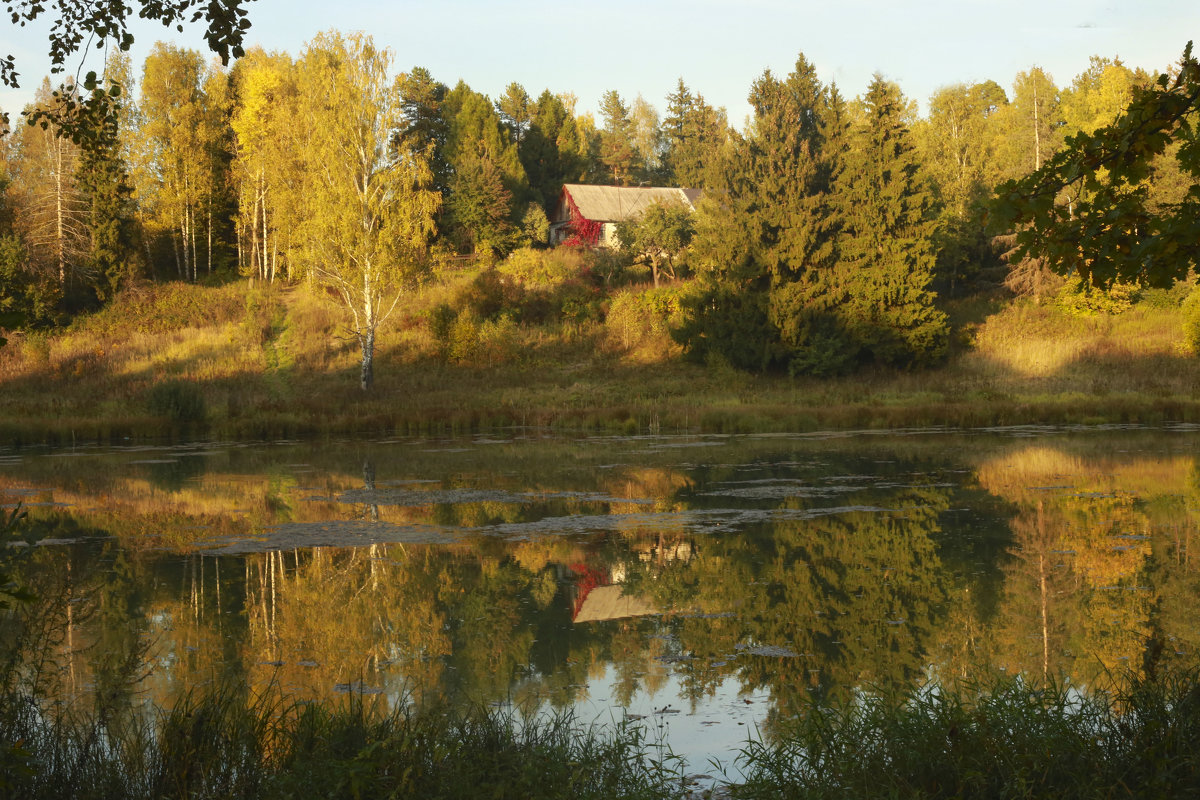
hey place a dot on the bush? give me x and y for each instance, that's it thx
(1191, 320)
(491, 294)
(1084, 300)
(644, 319)
(1167, 298)
(532, 267)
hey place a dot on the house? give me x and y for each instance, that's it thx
(588, 215)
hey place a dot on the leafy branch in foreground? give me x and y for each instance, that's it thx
(79, 24)
(1089, 211)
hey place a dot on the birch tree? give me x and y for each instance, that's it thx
(184, 132)
(369, 214)
(266, 167)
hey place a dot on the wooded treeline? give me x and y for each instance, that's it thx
(827, 226)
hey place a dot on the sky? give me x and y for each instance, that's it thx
(718, 47)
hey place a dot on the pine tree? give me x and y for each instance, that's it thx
(516, 111)
(549, 151)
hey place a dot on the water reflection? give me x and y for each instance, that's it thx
(602, 574)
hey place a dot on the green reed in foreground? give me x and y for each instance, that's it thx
(1004, 740)
(220, 746)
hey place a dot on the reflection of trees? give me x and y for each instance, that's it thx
(861, 597)
(856, 595)
(1099, 561)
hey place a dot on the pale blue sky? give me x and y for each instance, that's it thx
(718, 46)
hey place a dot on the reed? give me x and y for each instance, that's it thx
(1004, 739)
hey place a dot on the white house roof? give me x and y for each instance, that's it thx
(619, 203)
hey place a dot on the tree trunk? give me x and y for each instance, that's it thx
(368, 358)
(59, 213)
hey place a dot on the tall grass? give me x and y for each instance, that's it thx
(224, 744)
(1007, 739)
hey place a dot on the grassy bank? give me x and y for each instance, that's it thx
(245, 361)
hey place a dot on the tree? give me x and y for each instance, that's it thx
(370, 213)
(957, 145)
(184, 128)
(267, 167)
(693, 132)
(1088, 211)
(647, 140)
(550, 150)
(617, 152)
(767, 223)
(53, 218)
(1032, 123)
(424, 127)
(1098, 95)
(659, 236)
(487, 191)
(879, 289)
(516, 111)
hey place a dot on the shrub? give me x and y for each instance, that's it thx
(491, 294)
(1167, 298)
(1191, 320)
(638, 320)
(532, 267)
(1085, 300)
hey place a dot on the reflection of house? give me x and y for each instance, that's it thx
(599, 596)
(588, 215)
(611, 602)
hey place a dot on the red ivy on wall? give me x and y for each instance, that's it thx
(584, 232)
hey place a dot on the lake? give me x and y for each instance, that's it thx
(708, 586)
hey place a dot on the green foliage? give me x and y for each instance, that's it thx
(640, 318)
(164, 307)
(817, 256)
(530, 266)
(1088, 210)
(491, 294)
(225, 744)
(1191, 321)
(1084, 300)
(1171, 298)
(26, 296)
(723, 324)
(660, 237)
(180, 402)
(693, 133)
(535, 227)
(98, 24)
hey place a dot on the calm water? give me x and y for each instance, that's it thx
(709, 585)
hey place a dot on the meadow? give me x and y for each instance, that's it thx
(543, 342)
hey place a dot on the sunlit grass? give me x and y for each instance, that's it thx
(270, 361)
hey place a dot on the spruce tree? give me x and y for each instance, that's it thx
(103, 180)
(879, 286)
